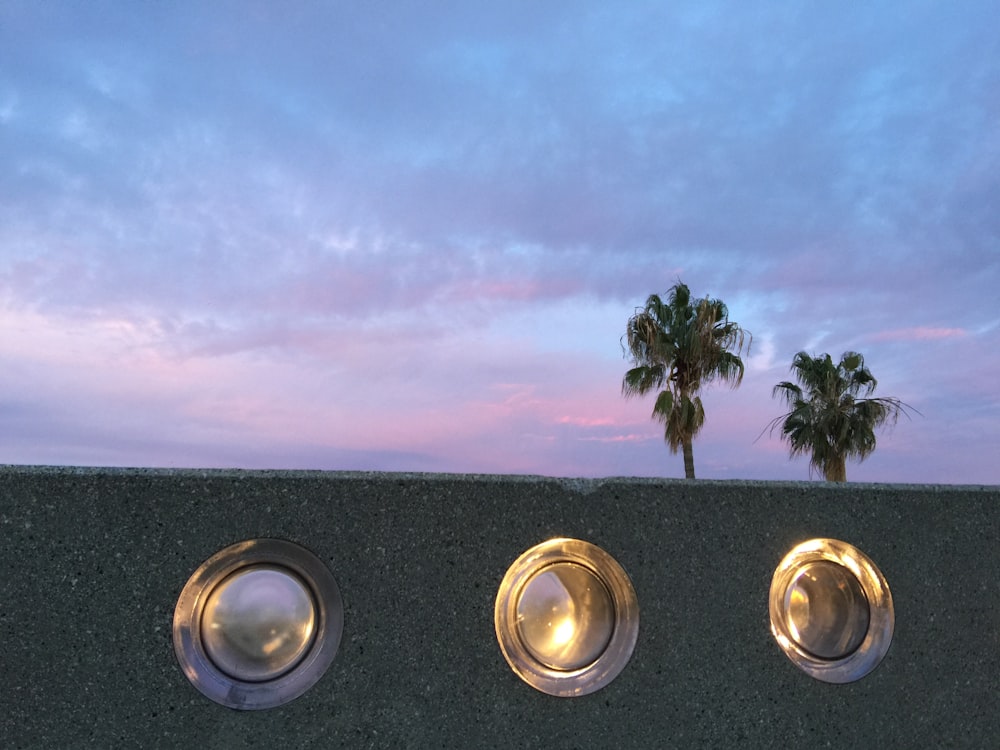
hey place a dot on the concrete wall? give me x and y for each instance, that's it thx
(93, 562)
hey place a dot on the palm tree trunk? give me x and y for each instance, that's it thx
(688, 459)
(836, 469)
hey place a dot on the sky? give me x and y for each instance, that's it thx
(407, 236)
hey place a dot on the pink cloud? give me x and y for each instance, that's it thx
(630, 438)
(586, 421)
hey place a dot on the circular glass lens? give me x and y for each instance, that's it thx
(565, 616)
(258, 623)
(827, 612)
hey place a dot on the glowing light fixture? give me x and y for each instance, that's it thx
(566, 617)
(831, 610)
(258, 624)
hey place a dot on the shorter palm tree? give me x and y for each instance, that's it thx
(833, 415)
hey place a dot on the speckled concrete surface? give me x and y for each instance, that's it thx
(93, 562)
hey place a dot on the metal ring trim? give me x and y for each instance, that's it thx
(612, 660)
(187, 638)
(876, 642)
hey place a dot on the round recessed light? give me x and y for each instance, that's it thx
(258, 624)
(566, 617)
(831, 610)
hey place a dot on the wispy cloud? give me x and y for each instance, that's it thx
(630, 438)
(919, 333)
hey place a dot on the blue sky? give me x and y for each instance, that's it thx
(407, 236)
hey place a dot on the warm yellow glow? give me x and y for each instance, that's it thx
(565, 616)
(852, 565)
(563, 632)
(813, 545)
(797, 611)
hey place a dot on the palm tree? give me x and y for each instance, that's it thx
(833, 416)
(677, 346)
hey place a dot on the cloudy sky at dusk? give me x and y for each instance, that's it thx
(407, 236)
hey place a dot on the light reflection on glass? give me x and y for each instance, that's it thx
(258, 623)
(565, 616)
(826, 609)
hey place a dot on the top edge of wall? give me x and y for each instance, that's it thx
(583, 485)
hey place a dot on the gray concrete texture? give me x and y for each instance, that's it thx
(94, 560)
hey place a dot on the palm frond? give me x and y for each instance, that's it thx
(642, 379)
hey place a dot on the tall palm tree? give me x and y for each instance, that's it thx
(833, 415)
(677, 346)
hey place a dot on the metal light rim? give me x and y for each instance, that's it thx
(189, 648)
(878, 638)
(611, 662)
